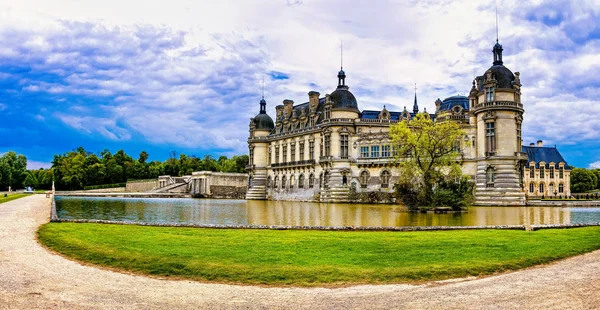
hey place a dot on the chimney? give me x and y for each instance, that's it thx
(313, 99)
(287, 107)
(539, 143)
(279, 111)
(531, 144)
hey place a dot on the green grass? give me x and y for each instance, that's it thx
(11, 197)
(312, 258)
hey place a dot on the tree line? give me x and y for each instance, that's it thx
(583, 180)
(79, 168)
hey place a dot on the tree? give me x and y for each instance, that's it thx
(427, 155)
(582, 180)
(30, 180)
(13, 168)
(143, 157)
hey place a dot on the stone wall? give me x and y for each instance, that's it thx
(218, 184)
(141, 186)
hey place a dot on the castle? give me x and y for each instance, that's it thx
(318, 150)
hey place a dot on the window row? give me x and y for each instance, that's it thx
(376, 151)
(551, 188)
(551, 173)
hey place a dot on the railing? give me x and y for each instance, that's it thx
(498, 104)
(462, 118)
(375, 160)
(338, 120)
(375, 120)
(294, 163)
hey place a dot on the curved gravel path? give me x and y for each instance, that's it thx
(32, 277)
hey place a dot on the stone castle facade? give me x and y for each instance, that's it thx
(320, 149)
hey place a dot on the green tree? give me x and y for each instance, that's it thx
(30, 180)
(426, 154)
(143, 157)
(13, 168)
(582, 180)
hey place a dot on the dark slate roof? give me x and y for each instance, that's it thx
(343, 99)
(545, 154)
(263, 121)
(370, 114)
(504, 77)
(453, 101)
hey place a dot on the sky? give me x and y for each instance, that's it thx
(186, 75)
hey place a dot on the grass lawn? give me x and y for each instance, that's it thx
(312, 258)
(11, 197)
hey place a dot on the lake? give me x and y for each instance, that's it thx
(284, 213)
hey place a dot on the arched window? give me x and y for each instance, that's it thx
(276, 183)
(326, 179)
(311, 180)
(283, 182)
(531, 187)
(364, 179)
(490, 176)
(561, 188)
(269, 182)
(385, 179)
(551, 188)
(541, 188)
(292, 182)
(301, 181)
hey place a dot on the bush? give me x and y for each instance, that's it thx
(103, 186)
(456, 195)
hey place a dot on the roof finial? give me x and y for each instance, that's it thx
(496, 2)
(416, 106)
(341, 54)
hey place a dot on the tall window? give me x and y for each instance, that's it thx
(283, 182)
(292, 181)
(490, 94)
(276, 183)
(385, 151)
(552, 173)
(531, 187)
(326, 179)
(385, 179)
(561, 188)
(561, 172)
(490, 177)
(251, 156)
(311, 180)
(375, 151)
(541, 188)
(302, 150)
(542, 172)
(531, 172)
(551, 188)
(312, 122)
(293, 151)
(490, 137)
(364, 151)
(364, 179)
(327, 113)
(269, 182)
(327, 142)
(276, 156)
(301, 181)
(269, 157)
(311, 150)
(285, 148)
(344, 146)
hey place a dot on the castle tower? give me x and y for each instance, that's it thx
(260, 127)
(495, 101)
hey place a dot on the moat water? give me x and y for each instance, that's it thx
(243, 212)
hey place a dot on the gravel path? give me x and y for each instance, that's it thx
(31, 277)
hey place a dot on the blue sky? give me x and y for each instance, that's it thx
(186, 75)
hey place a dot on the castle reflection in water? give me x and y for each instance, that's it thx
(285, 213)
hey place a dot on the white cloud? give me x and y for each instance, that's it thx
(189, 73)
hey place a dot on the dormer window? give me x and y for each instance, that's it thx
(327, 112)
(489, 94)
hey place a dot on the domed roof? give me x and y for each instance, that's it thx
(504, 77)
(343, 99)
(454, 101)
(263, 121)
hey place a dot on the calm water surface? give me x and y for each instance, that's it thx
(252, 212)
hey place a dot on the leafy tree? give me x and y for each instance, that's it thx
(582, 180)
(30, 180)
(13, 168)
(143, 157)
(426, 155)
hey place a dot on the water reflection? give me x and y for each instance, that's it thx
(242, 212)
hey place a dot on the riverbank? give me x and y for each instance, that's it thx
(34, 278)
(121, 194)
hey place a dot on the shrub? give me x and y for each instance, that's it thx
(103, 186)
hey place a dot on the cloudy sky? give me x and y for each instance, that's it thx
(185, 75)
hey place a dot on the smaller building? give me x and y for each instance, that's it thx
(546, 173)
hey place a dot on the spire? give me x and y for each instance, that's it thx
(341, 74)
(416, 106)
(497, 48)
(263, 103)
